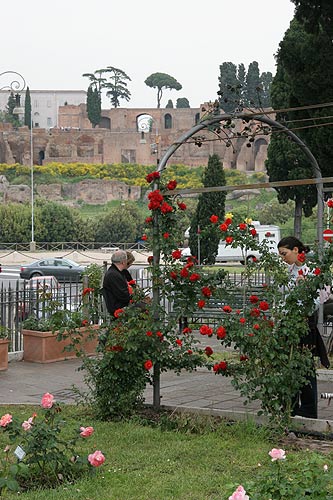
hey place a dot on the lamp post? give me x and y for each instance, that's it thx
(16, 83)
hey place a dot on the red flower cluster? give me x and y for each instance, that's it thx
(176, 254)
(194, 277)
(208, 351)
(221, 332)
(242, 226)
(201, 304)
(206, 291)
(155, 199)
(227, 309)
(214, 219)
(148, 220)
(166, 208)
(206, 330)
(253, 299)
(171, 185)
(86, 291)
(152, 176)
(187, 330)
(220, 367)
(263, 305)
(179, 342)
(118, 312)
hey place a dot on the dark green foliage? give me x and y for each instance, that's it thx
(182, 102)
(57, 223)
(169, 104)
(94, 105)
(208, 204)
(121, 224)
(162, 81)
(27, 108)
(238, 88)
(316, 15)
(117, 87)
(11, 105)
(303, 78)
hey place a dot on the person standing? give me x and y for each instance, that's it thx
(293, 252)
(115, 288)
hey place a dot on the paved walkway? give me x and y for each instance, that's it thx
(26, 382)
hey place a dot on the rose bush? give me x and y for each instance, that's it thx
(38, 454)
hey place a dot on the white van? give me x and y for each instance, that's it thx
(226, 253)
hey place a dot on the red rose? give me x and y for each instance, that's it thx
(317, 271)
(206, 330)
(184, 273)
(255, 312)
(159, 334)
(243, 357)
(117, 348)
(148, 220)
(149, 333)
(176, 254)
(208, 351)
(227, 309)
(242, 320)
(153, 175)
(181, 206)
(148, 364)
(221, 332)
(253, 299)
(223, 227)
(201, 304)
(214, 219)
(256, 326)
(84, 322)
(86, 291)
(194, 277)
(173, 275)
(189, 351)
(263, 305)
(228, 221)
(179, 342)
(330, 203)
(223, 365)
(171, 185)
(206, 291)
(186, 330)
(144, 237)
(166, 208)
(253, 232)
(242, 226)
(216, 367)
(229, 240)
(166, 235)
(118, 312)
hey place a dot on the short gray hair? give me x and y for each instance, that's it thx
(118, 256)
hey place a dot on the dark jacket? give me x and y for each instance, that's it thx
(313, 340)
(115, 289)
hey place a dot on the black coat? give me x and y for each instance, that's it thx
(115, 289)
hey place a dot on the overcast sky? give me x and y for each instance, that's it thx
(52, 43)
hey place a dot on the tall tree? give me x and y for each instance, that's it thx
(252, 85)
(169, 104)
(161, 81)
(117, 86)
(264, 96)
(229, 90)
(94, 106)
(303, 78)
(27, 108)
(12, 103)
(315, 15)
(208, 204)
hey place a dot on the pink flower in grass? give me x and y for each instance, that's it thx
(277, 454)
(6, 419)
(27, 424)
(239, 494)
(96, 459)
(86, 431)
(47, 400)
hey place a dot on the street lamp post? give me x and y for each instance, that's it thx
(16, 83)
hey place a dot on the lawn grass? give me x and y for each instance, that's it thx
(200, 459)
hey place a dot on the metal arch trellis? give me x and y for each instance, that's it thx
(206, 124)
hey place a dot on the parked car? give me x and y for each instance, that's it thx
(63, 269)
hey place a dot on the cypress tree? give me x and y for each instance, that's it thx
(208, 204)
(27, 108)
(94, 106)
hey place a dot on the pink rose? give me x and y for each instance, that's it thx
(277, 454)
(47, 400)
(96, 459)
(5, 420)
(239, 494)
(27, 424)
(86, 431)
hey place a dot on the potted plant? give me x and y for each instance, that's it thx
(58, 335)
(4, 341)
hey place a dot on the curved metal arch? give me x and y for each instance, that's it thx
(272, 123)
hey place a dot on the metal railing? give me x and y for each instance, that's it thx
(71, 245)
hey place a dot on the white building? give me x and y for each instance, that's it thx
(45, 104)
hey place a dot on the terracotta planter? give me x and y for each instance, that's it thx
(4, 354)
(43, 347)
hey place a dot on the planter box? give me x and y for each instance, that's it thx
(4, 354)
(43, 347)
